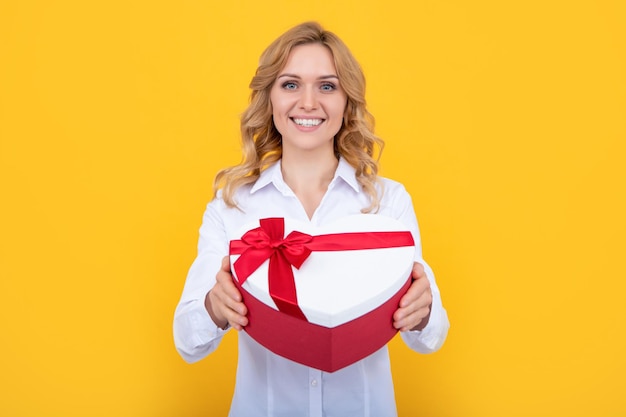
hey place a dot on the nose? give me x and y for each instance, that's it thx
(308, 99)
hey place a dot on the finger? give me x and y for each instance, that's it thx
(418, 271)
(229, 309)
(238, 322)
(402, 313)
(408, 298)
(412, 320)
(413, 314)
(227, 286)
(226, 264)
(225, 279)
(230, 297)
(421, 300)
(415, 291)
(413, 303)
(234, 309)
(235, 319)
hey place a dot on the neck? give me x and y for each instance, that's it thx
(313, 172)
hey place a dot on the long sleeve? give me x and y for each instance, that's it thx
(432, 337)
(195, 333)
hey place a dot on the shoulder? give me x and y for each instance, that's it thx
(241, 195)
(391, 190)
(395, 200)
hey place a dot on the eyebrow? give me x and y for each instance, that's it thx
(323, 77)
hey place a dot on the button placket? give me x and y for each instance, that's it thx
(315, 392)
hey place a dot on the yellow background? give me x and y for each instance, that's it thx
(505, 120)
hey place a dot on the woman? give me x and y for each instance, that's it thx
(309, 155)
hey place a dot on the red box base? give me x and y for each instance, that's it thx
(324, 348)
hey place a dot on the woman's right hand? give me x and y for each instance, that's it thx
(224, 302)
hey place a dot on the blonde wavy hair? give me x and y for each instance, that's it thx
(261, 141)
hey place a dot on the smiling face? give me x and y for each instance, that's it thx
(308, 102)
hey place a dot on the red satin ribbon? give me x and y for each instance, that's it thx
(268, 242)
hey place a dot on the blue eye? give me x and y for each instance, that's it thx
(328, 87)
(289, 85)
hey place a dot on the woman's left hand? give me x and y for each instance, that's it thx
(415, 305)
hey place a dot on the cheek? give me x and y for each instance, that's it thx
(277, 119)
(274, 100)
(340, 108)
(275, 109)
(279, 108)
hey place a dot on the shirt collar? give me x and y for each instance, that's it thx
(273, 175)
(347, 173)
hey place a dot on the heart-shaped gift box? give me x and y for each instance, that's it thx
(323, 296)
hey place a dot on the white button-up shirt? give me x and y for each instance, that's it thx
(268, 384)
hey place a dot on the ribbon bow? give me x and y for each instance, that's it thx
(267, 242)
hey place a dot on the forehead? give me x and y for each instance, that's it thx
(310, 59)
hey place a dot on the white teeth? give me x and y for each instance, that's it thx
(307, 122)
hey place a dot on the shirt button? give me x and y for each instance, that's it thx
(314, 383)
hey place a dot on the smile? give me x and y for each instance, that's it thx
(308, 122)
